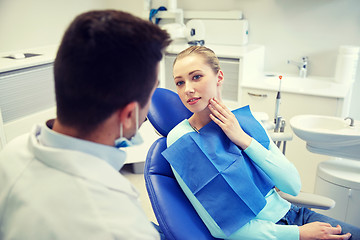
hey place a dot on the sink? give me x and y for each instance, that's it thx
(328, 135)
(300, 84)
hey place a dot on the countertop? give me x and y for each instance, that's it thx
(311, 85)
(46, 55)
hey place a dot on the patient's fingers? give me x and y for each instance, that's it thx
(336, 231)
(219, 106)
(320, 230)
(220, 111)
(216, 113)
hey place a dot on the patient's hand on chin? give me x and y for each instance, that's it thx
(227, 121)
(321, 231)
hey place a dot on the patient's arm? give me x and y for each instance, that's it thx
(281, 171)
(272, 161)
(258, 229)
(261, 229)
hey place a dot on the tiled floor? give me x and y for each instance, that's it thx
(138, 181)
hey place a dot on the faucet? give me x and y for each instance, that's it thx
(301, 65)
(351, 121)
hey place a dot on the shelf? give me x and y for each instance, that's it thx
(202, 14)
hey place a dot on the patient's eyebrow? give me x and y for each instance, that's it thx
(192, 72)
(189, 74)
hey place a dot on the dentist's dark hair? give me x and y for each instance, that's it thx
(106, 60)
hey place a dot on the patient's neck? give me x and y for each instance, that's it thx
(200, 119)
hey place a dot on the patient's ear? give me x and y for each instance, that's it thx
(220, 78)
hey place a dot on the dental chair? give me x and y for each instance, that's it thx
(175, 215)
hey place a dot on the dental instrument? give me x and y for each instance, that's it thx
(277, 118)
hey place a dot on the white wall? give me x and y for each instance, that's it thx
(135, 6)
(33, 23)
(289, 29)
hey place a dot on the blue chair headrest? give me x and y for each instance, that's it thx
(166, 110)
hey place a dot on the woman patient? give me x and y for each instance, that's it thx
(228, 167)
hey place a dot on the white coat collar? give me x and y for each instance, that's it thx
(80, 158)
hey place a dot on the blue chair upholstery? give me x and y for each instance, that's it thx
(166, 110)
(176, 216)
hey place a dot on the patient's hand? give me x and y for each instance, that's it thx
(227, 121)
(320, 230)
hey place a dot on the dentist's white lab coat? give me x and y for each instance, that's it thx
(50, 193)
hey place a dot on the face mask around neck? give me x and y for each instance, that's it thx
(122, 142)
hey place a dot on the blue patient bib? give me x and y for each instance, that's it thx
(228, 184)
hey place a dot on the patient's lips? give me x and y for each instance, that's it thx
(194, 100)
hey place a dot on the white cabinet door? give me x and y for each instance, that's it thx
(291, 104)
(347, 200)
(26, 91)
(259, 100)
(337, 193)
(353, 210)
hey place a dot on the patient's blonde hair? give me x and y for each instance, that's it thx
(208, 54)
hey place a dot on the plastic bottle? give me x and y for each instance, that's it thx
(346, 64)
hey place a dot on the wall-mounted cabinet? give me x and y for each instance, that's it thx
(26, 97)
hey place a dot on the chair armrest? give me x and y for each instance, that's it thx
(309, 200)
(269, 126)
(281, 136)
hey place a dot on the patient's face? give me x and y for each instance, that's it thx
(195, 81)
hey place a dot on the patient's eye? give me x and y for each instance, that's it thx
(179, 83)
(196, 77)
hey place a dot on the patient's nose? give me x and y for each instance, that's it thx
(189, 89)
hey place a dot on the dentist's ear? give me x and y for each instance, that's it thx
(127, 114)
(220, 77)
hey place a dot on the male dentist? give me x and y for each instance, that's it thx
(62, 180)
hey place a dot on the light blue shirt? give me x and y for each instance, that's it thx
(282, 173)
(113, 156)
